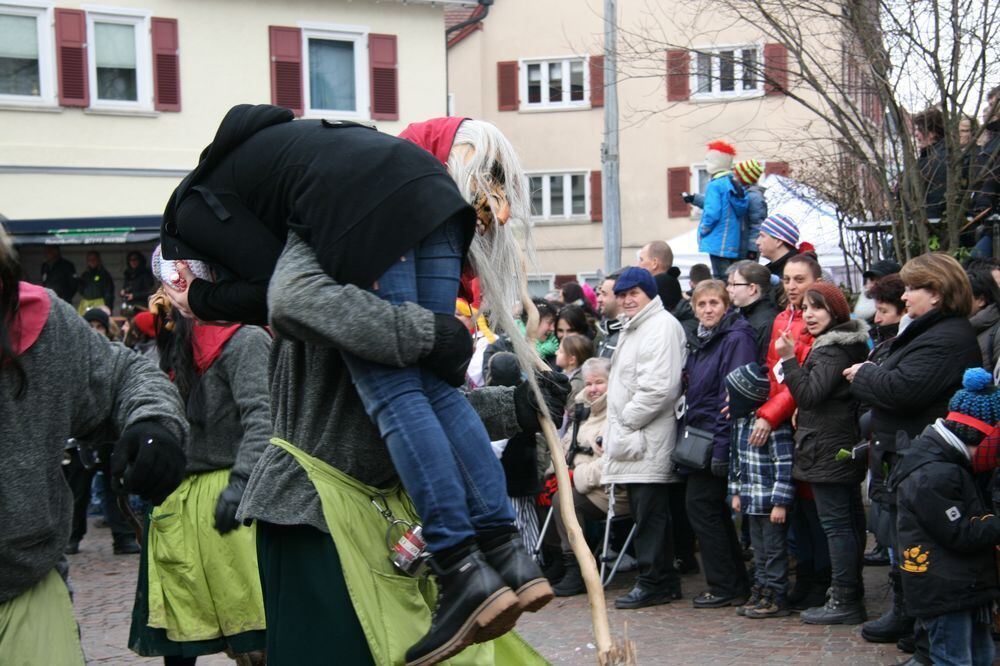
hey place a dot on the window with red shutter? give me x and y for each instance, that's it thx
(383, 63)
(597, 80)
(507, 85)
(777, 168)
(775, 69)
(166, 65)
(71, 46)
(596, 198)
(286, 68)
(678, 182)
(678, 75)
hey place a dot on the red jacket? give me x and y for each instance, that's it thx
(780, 404)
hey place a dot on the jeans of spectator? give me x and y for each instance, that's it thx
(806, 539)
(770, 553)
(712, 521)
(679, 523)
(842, 516)
(959, 639)
(654, 551)
(437, 441)
(720, 265)
(80, 480)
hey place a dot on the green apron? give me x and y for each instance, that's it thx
(394, 609)
(38, 626)
(202, 585)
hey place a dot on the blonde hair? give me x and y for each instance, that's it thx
(943, 275)
(717, 286)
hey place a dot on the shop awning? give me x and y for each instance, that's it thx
(85, 230)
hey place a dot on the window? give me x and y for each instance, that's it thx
(699, 178)
(336, 66)
(120, 60)
(559, 196)
(727, 72)
(26, 64)
(540, 284)
(554, 83)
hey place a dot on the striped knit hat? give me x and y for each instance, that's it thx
(781, 227)
(748, 171)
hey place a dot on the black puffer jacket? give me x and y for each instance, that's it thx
(828, 413)
(946, 533)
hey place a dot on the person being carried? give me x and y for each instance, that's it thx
(723, 207)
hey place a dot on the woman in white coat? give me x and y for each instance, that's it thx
(644, 386)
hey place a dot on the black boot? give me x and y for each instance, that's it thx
(804, 576)
(843, 607)
(473, 605)
(554, 570)
(124, 544)
(572, 582)
(505, 552)
(894, 623)
(817, 593)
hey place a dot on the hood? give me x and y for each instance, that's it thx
(853, 331)
(928, 448)
(985, 318)
(33, 309)
(435, 136)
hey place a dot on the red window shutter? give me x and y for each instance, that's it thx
(678, 182)
(507, 85)
(71, 43)
(775, 69)
(384, 69)
(286, 68)
(166, 65)
(777, 168)
(596, 198)
(678, 75)
(597, 80)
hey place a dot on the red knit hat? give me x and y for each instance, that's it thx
(836, 304)
(145, 322)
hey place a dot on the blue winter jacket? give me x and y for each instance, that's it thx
(731, 345)
(721, 218)
(755, 214)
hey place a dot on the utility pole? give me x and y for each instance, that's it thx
(611, 208)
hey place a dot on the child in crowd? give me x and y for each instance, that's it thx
(573, 351)
(760, 482)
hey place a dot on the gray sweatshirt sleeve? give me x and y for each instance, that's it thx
(245, 362)
(306, 304)
(495, 406)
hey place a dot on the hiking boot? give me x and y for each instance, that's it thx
(505, 552)
(770, 605)
(755, 595)
(124, 544)
(474, 604)
(843, 607)
(572, 582)
(894, 624)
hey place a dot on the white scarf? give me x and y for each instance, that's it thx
(951, 438)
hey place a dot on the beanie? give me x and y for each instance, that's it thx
(98, 315)
(719, 157)
(748, 171)
(881, 268)
(781, 227)
(748, 387)
(634, 276)
(503, 370)
(836, 304)
(977, 398)
(145, 323)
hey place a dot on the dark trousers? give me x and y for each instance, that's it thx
(80, 480)
(770, 553)
(585, 510)
(843, 519)
(679, 523)
(806, 539)
(719, 266)
(654, 551)
(711, 519)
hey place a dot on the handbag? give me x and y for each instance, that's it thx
(694, 448)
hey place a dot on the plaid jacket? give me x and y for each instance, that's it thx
(762, 477)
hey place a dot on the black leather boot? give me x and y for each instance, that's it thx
(843, 607)
(572, 582)
(506, 553)
(474, 604)
(804, 575)
(894, 624)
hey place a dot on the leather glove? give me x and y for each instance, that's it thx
(227, 504)
(720, 468)
(687, 198)
(147, 461)
(555, 390)
(452, 351)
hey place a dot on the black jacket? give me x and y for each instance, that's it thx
(669, 288)
(98, 283)
(986, 174)
(933, 165)
(60, 277)
(138, 282)
(828, 413)
(520, 466)
(760, 315)
(946, 534)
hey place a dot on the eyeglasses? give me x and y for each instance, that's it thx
(738, 284)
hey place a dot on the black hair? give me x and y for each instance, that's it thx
(699, 272)
(545, 309)
(177, 360)
(983, 285)
(930, 122)
(10, 301)
(577, 319)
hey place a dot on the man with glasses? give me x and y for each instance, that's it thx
(748, 284)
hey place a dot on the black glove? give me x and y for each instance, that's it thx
(228, 502)
(687, 198)
(720, 468)
(148, 461)
(555, 390)
(452, 351)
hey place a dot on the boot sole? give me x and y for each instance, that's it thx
(851, 621)
(495, 616)
(534, 595)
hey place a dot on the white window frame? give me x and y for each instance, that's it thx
(695, 180)
(357, 34)
(593, 278)
(566, 175)
(140, 21)
(738, 92)
(536, 279)
(545, 105)
(42, 12)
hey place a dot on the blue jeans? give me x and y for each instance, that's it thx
(719, 266)
(436, 439)
(957, 639)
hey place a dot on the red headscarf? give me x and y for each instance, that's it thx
(436, 135)
(32, 313)
(207, 341)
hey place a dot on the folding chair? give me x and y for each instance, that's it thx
(537, 552)
(605, 559)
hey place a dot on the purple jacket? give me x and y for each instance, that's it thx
(731, 345)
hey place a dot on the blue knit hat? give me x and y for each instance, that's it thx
(978, 397)
(636, 277)
(781, 227)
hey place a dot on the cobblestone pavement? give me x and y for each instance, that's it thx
(104, 587)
